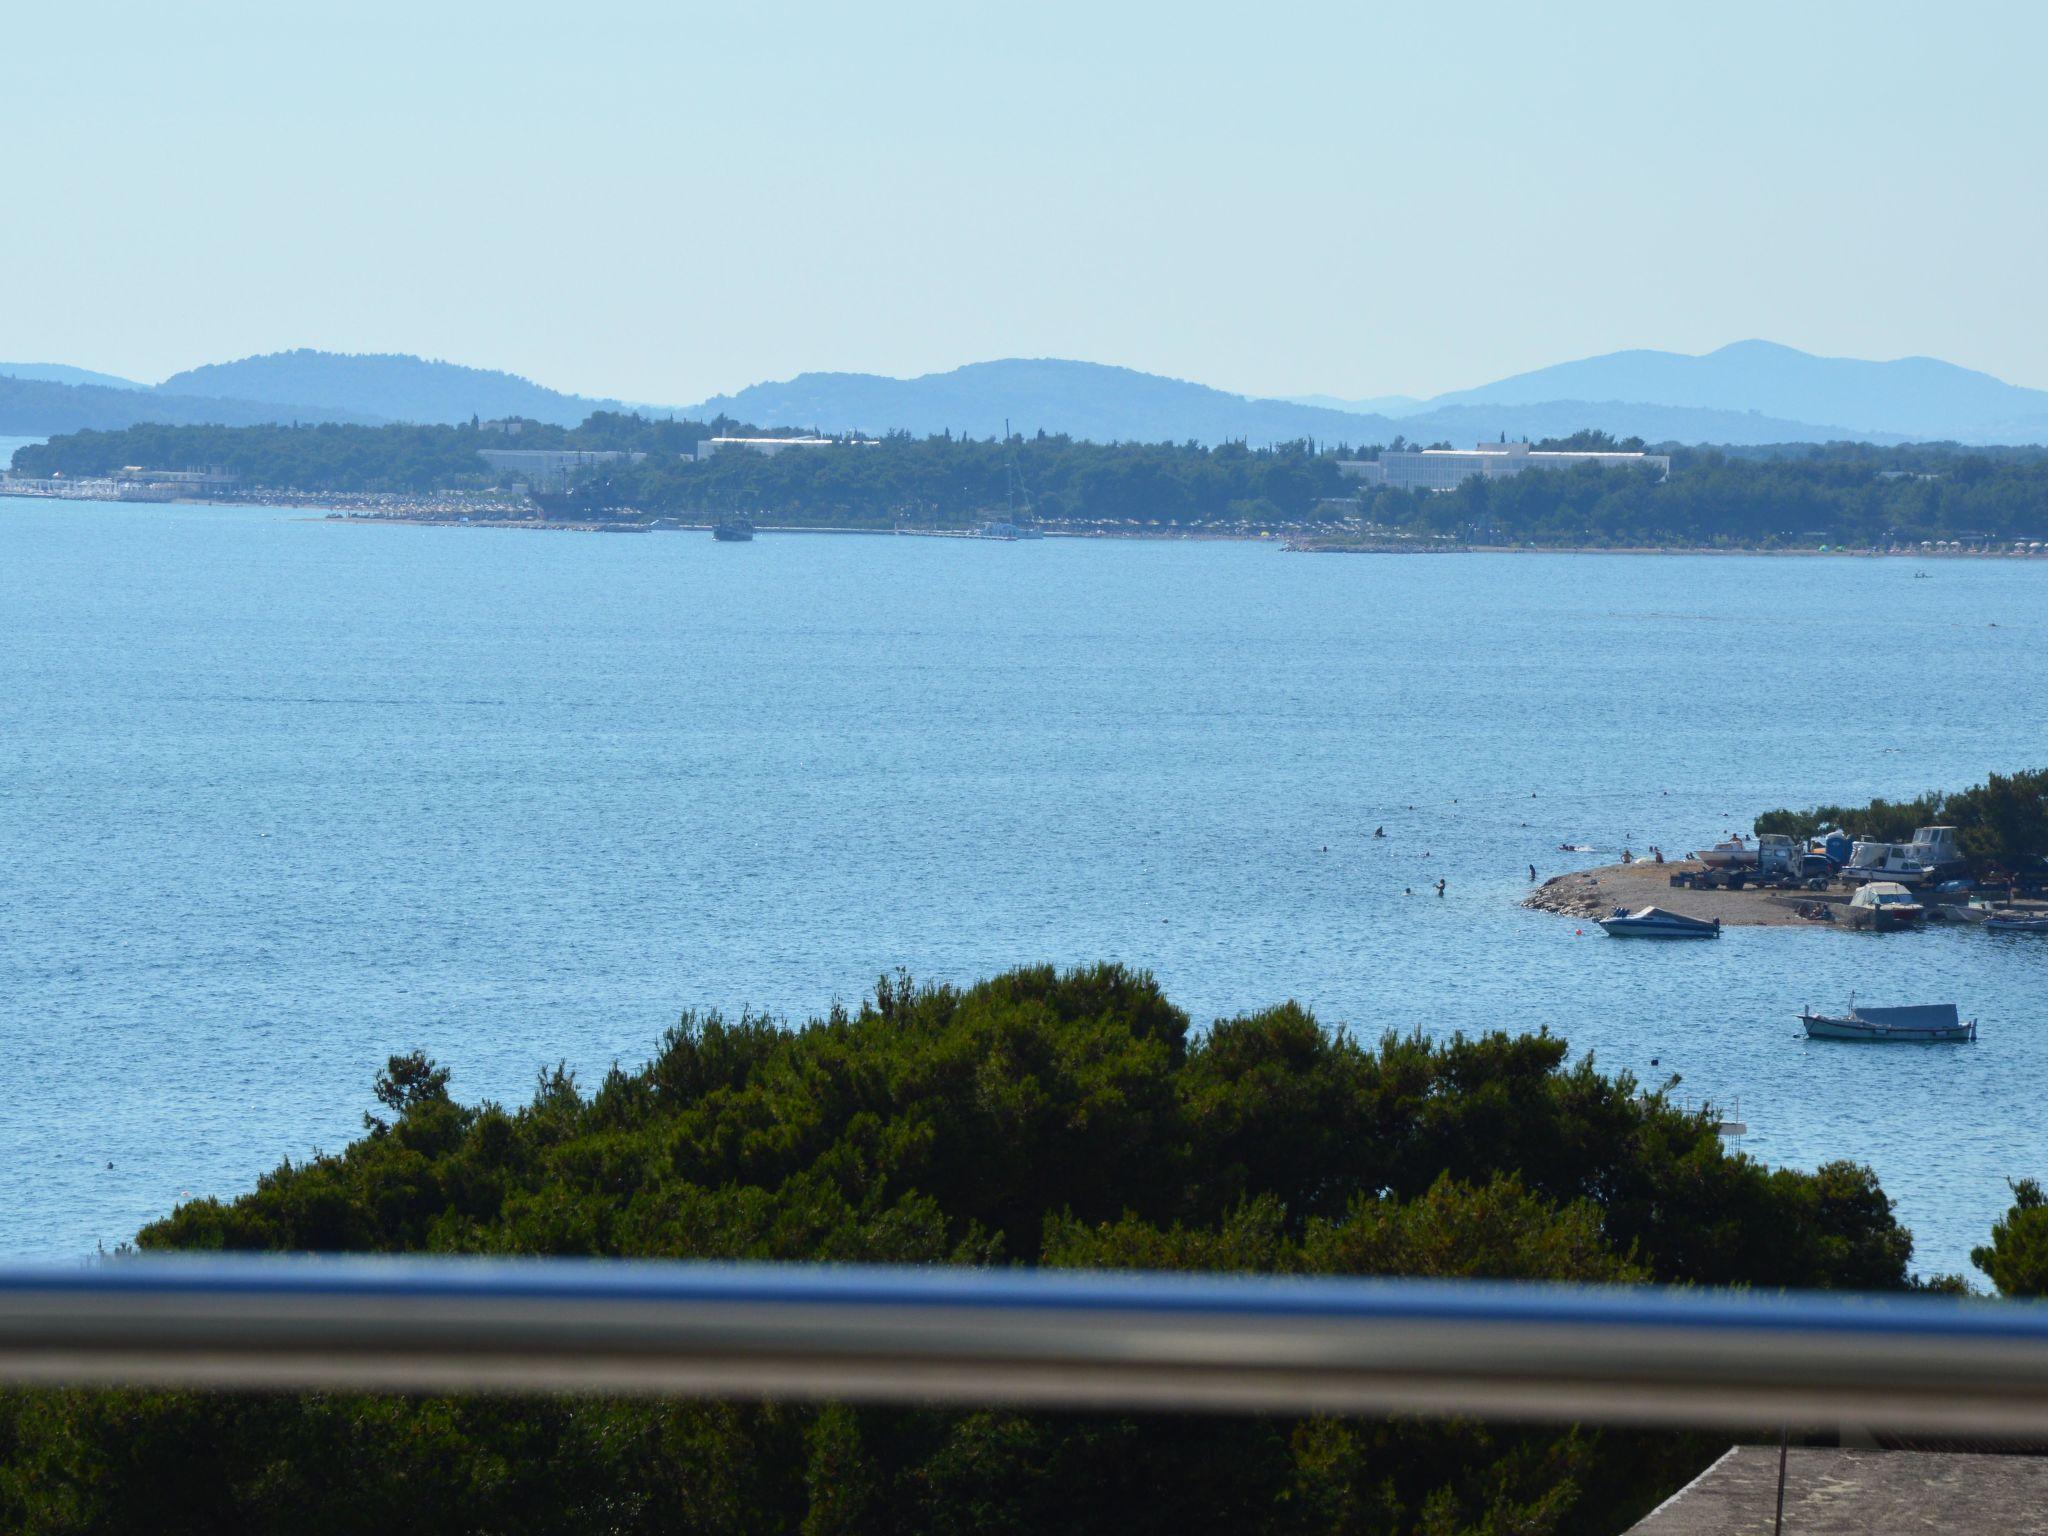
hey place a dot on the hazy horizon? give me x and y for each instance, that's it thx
(1366, 406)
(621, 202)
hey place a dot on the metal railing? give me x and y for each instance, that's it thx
(1040, 1338)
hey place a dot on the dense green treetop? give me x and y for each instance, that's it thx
(945, 1126)
(1070, 1119)
(2016, 1258)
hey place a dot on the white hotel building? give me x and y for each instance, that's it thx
(770, 446)
(544, 467)
(1445, 469)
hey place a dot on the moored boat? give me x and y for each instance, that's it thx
(1657, 923)
(732, 530)
(1883, 905)
(2016, 922)
(1917, 1024)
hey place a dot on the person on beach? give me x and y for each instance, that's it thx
(1627, 857)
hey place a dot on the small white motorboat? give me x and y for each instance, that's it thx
(1918, 1024)
(1656, 923)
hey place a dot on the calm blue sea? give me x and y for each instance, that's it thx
(279, 797)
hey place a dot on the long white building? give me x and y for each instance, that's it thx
(545, 467)
(1445, 469)
(770, 446)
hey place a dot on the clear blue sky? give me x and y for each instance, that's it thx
(658, 202)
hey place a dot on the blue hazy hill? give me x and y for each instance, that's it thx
(39, 408)
(1090, 400)
(64, 373)
(1107, 404)
(1918, 397)
(392, 386)
(1747, 393)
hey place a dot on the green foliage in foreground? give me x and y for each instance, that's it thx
(1039, 1118)
(2003, 822)
(2017, 1257)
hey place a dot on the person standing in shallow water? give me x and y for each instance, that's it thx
(1532, 874)
(1439, 887)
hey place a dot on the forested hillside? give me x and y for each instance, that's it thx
(1789, 495)
(39, 407)
(1856, 496)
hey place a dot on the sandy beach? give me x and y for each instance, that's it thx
(1590, 893)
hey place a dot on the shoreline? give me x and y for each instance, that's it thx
(1277, 537)
(491, 509)
(1665, 549)
(1590, 894)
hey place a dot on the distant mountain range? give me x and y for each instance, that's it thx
(391, 386)
(42, 399)
(1117, 404)
(64, 373)
(1918, 397)
(1747, 393)
(1088, 400)
(39, 408)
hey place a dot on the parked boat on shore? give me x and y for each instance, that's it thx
(1657, 923)
(1916, 1024)
(1732, 854)
(1934, 855)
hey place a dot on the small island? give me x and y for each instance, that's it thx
(625, 472)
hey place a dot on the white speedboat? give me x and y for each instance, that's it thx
(1656, 923)
(1920, 1024)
